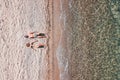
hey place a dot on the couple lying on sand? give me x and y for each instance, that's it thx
(33, 35)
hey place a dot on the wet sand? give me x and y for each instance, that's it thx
(54, 34)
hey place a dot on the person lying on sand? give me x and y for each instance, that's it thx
(33, 46)
(35, 35)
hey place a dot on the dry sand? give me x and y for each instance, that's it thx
(18, 17)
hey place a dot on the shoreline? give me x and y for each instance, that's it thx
(54, 12)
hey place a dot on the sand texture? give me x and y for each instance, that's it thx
(18, 17)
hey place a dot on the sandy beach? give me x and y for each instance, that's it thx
(17, 18)
(83, 40)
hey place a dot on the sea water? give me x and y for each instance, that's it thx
(89, 48)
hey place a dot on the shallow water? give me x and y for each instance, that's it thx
(89, 48)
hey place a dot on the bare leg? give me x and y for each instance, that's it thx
(41, 46)
(42, 37)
